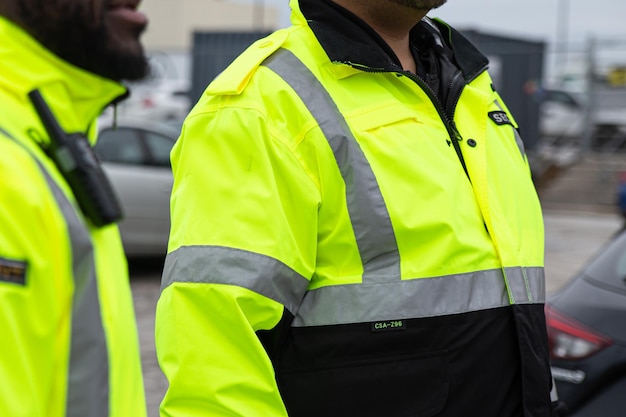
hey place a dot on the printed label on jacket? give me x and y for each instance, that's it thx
(500, 118)
(12, 271)
(388, 326)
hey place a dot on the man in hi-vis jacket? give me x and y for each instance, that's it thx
(68, 338)
(355, 231)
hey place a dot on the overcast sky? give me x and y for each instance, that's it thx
(546, 20)
(541, 20)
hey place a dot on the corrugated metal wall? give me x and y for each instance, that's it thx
(212, 52)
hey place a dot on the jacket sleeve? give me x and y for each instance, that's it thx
(241, 251)
(34, 291)
(208, 349)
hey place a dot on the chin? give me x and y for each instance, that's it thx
(120, 58)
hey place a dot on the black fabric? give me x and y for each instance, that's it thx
(533, 340)
(434, 60)
(440, 366)
(436, 64)
(559, 409)
(346, 38)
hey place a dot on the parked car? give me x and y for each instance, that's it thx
(586, 322)
(561, 114)
(159, 99)
(135, 157)
(563, 117)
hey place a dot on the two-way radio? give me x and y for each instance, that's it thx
(80, 167)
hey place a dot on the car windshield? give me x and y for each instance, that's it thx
(562, 97)
(134, 146)
(609, 266)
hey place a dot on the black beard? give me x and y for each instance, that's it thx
(421, 4)
(69, 33)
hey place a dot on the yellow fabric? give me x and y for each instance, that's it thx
(240, 380)
(35, 318)
(254, 172)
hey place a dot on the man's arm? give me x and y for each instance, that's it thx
(241, 250)
(208, 349)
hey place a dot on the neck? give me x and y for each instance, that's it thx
(392, 21)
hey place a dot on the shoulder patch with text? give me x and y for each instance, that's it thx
(12, 271)
(500, 118)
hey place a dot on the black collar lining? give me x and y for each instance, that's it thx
(347, 38)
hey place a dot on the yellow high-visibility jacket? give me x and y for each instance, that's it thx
(68, 344)
(345, 244)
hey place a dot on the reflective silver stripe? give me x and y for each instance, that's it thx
(523, 288)
(518, 138)
(417, 298)
(370, 219)
(220, 265)
(88, 375)
(554, 394)
(353, 303)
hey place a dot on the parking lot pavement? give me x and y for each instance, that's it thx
(571, 239)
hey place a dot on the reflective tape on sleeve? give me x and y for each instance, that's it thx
(88, 374)
(220, 265)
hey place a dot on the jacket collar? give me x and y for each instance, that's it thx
(348, 39)
(75, 96)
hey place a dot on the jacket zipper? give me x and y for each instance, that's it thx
(446, 113)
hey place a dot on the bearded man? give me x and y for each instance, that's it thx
(355, 231)
(69, 339)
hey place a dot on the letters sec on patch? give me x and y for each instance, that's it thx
(500, 118)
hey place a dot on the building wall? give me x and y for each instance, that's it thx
(172, 22)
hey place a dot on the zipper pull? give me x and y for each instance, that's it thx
(455, 131)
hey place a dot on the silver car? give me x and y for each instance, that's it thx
(135, 155)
